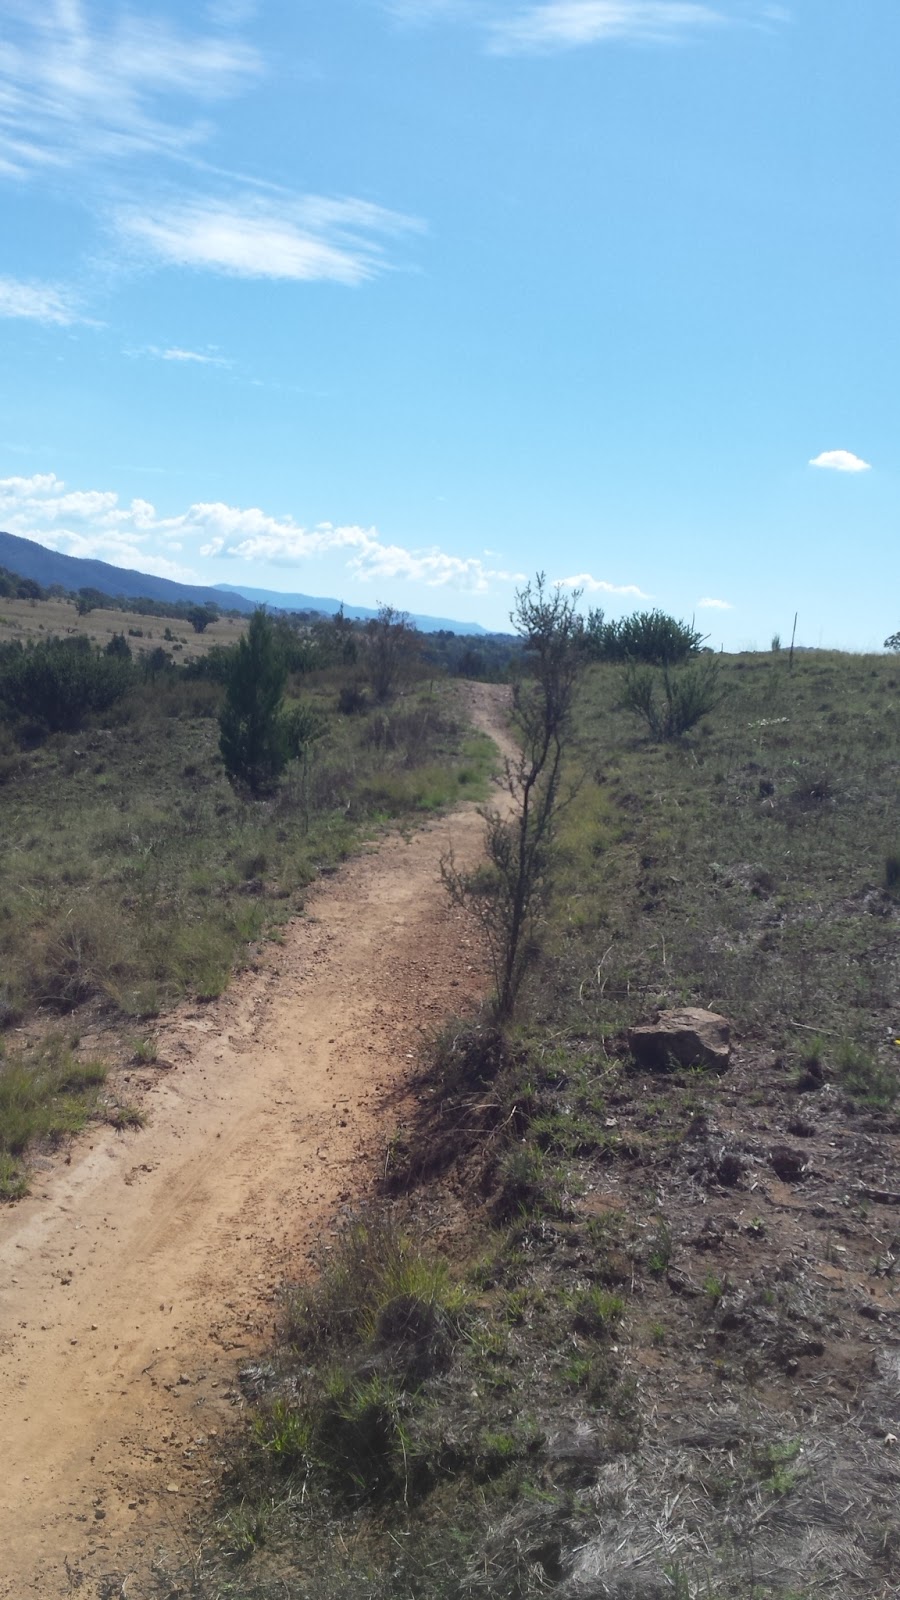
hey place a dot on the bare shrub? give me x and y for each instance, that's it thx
(509, 893)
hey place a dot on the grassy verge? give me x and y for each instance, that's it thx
(671, 1368)
(46, 1094)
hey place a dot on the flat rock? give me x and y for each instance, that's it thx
(689, 1036)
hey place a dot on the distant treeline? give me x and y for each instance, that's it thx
(311, 638)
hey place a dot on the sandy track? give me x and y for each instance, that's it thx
(138, 1277)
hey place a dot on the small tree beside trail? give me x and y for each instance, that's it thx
(393, 645)
(509, 893)
(251, 727)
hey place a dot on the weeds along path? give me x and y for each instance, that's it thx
(140, 1275)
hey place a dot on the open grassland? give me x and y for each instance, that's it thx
(24, 620)
(133, 873)
(663, 1360)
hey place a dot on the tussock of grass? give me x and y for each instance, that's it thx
(380, 1320)
(45, 1094)
(373, 1266)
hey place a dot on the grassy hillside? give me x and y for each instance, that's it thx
(611, 1332)
(37, 619)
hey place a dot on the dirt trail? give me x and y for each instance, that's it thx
(138, 1277)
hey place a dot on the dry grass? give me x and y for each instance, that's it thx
(678, 1374)
(42, 619)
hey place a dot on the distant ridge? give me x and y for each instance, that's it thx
(307, 602)
(47, 567)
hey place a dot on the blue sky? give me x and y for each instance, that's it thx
(404, 300)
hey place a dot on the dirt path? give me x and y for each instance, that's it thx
(137, 1278)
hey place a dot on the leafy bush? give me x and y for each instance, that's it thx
(58, 682)
(671, 703)
(651, 637)
(251, 729)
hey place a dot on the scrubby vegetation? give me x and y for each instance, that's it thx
(666, 1362)
(651, 637)
(132, 871)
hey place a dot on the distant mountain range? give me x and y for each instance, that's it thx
(49, 567)
(274, 600)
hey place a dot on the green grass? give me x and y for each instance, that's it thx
(642, 1319)
(132, 873)
(45, 1095)
(743, 868)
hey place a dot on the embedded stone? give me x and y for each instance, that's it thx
(687, 1037)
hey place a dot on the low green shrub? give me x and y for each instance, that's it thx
(671, 703)
(651, 637)
(55, 684)
(873, 1082)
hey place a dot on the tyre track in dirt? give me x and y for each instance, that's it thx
(141, 1274)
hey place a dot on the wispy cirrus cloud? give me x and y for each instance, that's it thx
(547, 26)
(841, 461)
(38, 302)
(96, 523)
(566, 24)
(591, 585)
(197, 357)
(308, 238)
(81, 81)
(714, 605)
(179, 355)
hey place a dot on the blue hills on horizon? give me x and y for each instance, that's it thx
(275, 600)
(47, 567)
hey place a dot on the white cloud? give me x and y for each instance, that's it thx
(39, 302)
(252, 535)
(543, 26)
(309, 238)
(564, 24)
(82, 81)
(95, 523)
(591, 585)
(841, 461)
(176, 353)
(714, 605)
